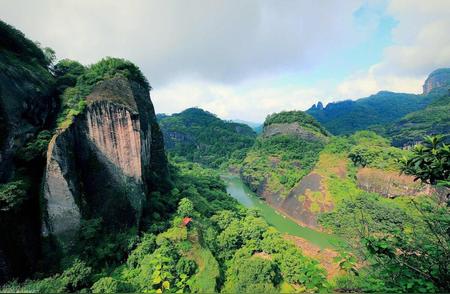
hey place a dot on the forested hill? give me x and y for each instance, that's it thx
(346, 117)
(200, 136)
(433, 119)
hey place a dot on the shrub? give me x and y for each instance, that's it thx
(12, 195)
(106, 285)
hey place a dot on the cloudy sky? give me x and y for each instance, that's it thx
(246, 59)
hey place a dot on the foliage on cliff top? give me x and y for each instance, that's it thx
(14, 41)
(202, 137)
(279, 162)
(73, 98)
(300, 117)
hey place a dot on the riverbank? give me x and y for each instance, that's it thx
(238, 190)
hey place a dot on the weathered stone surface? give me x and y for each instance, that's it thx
(26, 103)
(100, 166)
(291, 129)
(63, 214)
(304, 202)
(437, 79)
(390, 183)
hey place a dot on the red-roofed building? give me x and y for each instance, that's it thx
(186, 221)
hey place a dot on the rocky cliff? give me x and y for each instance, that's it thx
(294, 129)
(26, 99)
(439, 78)
(104, 164)
(27, 106)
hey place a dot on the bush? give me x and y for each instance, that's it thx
(186, 266)
(12, 195)
(106, 285)
(73, 98)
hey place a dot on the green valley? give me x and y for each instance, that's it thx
(100, 194)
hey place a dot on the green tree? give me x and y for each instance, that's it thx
(185, 208)
(430, 162)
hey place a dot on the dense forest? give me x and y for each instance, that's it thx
(99, 194)
(200, 136)
(399, 116)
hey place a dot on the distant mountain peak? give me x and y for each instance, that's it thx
(318, 106)
(437, 79)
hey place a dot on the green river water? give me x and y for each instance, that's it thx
(238, 190)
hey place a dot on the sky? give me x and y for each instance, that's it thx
(247, 59)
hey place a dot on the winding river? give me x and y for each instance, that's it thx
(238, 190)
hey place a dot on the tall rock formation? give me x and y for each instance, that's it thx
(106, 162)
(439, 78)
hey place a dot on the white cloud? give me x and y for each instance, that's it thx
(421, 44)
(229, 56)
(230, 102)
(220, 41)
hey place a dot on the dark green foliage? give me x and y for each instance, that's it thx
(67, 72)
(200, 136)
(432, 120)
(203, 188)
(280, 161)
(108, 68)
(73, 279)
(186, 266)
(430, 162)
(346, 117)
(300, 117)
(101, 248)
(15, 41)
(35, 149)
(178, 258)
(146, 246)
(12, 195)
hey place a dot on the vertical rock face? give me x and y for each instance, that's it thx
(437, 79)
(26, 103)
(115, 131)
(101, 165)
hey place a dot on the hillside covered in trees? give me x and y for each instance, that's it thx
(199, 136)
(99, 194)
(387, 109)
